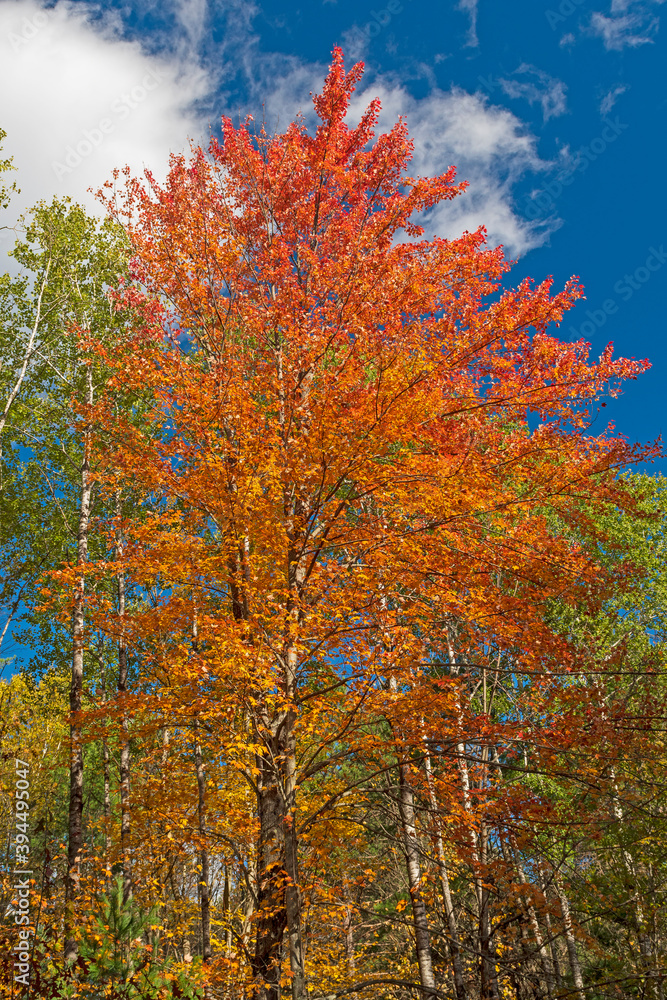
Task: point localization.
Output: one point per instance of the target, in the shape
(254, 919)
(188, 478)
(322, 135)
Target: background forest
(346, 632)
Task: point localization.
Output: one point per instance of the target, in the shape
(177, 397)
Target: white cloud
(87, 101)
(630, 23)
(470, 8)
(620, 6)
(280, 87)
(355, 42)
(192, 16)
(490, 148)
(536, 86)
(84, 101)
(619, 32)
(609, 99)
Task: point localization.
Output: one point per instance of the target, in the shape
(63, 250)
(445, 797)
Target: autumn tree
(359, 439)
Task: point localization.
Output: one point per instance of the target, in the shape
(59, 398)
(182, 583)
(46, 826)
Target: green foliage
(118, 942)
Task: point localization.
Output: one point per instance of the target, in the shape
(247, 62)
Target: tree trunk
(489, 979)
(643, 936)
(204, 882)
(227, 915)
(271, 875)
(275, 790)
(279, 900)
(292, 889)
(550, 934)
(278, 890)
(349, 933)
(406, 810)
(28, 356)
(419, 914)
(125, 821)
(75, 816)
(454, 944)
(107, 777)
(534, 923)
(569, 938)
(249, 897)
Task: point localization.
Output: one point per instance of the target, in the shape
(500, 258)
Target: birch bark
(419, 914)
(454, 943)
(569, 938)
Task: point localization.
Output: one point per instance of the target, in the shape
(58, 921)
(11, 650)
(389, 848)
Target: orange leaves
(346, 405)
(344, 509)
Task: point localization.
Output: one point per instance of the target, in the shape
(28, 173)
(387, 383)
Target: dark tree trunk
(107, 775)
(204, 882)
(271, 877)
(278, 894)
(125, 820)
(75, 815)
(489, 979)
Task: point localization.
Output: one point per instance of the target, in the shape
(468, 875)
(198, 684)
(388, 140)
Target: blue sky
(553, 111)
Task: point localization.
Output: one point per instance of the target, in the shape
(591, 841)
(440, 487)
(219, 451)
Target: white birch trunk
(570, 938)
(454, 944)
